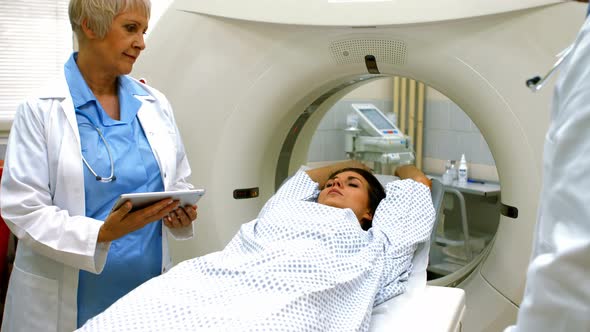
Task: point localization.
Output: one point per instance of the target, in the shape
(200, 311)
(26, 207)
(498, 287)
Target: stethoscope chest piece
(99, 178)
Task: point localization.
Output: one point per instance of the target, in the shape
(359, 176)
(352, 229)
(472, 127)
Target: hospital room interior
(442, 87)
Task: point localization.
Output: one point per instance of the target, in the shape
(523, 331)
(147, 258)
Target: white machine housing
(251, 80)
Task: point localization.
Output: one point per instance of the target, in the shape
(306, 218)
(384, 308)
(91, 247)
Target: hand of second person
(182, 216)
(121, 221)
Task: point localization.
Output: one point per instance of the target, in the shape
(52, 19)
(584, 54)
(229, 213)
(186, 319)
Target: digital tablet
(141, 200)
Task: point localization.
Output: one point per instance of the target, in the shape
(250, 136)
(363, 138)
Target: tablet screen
(141, 200)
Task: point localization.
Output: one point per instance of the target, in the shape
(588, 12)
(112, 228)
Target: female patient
(304, 264)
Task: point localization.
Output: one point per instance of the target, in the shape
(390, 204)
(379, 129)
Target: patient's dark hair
(376, 191)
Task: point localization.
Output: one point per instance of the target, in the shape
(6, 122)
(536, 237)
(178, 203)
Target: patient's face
(347, 190)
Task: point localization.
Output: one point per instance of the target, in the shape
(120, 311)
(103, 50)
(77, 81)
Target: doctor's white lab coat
(557, 295)
(42, 202)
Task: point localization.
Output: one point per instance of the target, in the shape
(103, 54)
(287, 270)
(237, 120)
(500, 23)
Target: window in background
(35, 41)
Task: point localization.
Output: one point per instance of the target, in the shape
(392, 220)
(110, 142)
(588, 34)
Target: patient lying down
(304, 264)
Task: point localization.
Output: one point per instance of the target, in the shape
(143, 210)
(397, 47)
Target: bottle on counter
(447, 177)
(462, 172)
(454, 170)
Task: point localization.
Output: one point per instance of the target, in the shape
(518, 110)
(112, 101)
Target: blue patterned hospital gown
(300, 266)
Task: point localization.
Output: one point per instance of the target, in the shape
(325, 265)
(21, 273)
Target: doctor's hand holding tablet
(133, 211)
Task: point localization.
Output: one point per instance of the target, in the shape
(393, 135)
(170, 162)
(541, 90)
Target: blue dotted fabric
(300, 266)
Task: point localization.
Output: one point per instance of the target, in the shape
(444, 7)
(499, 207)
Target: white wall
(158, 9)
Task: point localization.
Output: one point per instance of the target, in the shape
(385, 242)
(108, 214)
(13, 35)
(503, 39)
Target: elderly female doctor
(83, 140)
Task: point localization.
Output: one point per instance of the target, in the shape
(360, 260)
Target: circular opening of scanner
(451, 260)
(236, 97)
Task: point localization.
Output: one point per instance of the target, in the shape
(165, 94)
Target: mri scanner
(251, 80)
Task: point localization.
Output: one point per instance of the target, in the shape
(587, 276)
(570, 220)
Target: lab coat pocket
(31, 303)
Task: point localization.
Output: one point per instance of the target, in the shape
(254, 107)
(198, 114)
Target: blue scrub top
(136, 257)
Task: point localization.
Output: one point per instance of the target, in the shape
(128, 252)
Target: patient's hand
(411, 172)
(321, 174)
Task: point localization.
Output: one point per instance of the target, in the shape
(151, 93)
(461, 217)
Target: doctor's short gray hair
(101, 13)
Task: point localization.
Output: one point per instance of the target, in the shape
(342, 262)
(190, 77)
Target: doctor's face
(348, 190)
(123, 43)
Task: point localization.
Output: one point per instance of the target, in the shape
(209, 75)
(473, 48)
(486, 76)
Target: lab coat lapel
(61, 92)
(63, 139)
(151, 124)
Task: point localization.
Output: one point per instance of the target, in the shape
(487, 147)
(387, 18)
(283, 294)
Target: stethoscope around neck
(99, 178)
(537, 82)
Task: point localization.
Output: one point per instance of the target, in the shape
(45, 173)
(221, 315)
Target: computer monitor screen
(377, 118)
